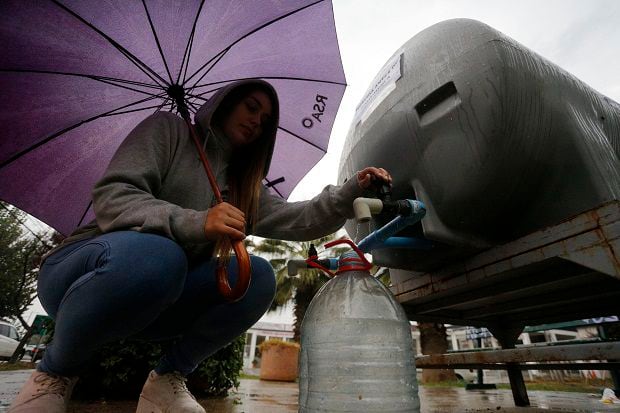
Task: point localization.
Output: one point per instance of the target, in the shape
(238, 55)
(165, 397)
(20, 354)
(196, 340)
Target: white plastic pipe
(364, 208)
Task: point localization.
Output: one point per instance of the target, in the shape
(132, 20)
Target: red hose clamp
(360, 264)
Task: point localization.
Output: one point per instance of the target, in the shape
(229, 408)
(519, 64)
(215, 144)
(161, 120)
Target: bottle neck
(350, 261)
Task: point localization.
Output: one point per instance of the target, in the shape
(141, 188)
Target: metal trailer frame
(565, 272)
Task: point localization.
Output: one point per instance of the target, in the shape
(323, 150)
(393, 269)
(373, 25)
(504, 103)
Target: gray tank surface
(496, 141)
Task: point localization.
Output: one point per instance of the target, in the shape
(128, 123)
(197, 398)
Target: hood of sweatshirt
(204, 116)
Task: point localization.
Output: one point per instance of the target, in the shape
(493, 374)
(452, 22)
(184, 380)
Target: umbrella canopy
(77, 75)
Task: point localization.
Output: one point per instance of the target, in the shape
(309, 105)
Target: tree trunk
(20, 347)
(433, 340)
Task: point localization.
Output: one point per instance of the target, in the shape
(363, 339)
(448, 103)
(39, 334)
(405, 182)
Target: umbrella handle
(237, 292)
(243, 259)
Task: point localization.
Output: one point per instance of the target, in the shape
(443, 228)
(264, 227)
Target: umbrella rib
(304, 79)
(192, 105)
(85, 212)
(133, 59)
(190, 44)
(168, 101)
(275, 181)
(303, 139)
(197, 97)
(106, 80)
(206, 92)
(67, 129)
(254, 31)
(130, 111)
(275, 189)
(219, 56)
(161, 52)
(128, 88)
(93, 77)
(184, 63)
(160, 107)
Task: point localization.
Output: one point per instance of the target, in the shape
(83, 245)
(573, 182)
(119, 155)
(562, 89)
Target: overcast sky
(581, 36)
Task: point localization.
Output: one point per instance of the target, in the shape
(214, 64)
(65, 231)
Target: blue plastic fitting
(378, 238)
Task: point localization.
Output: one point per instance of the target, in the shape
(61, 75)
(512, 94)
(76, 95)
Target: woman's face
(246, 121)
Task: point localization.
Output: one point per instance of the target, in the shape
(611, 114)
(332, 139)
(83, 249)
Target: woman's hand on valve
(367, 176)
(226, 220)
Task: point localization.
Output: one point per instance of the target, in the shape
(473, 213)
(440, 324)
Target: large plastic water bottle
(357, 353)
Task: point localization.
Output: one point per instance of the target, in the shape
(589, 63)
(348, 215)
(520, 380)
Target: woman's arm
(317, 217)
(126, 196)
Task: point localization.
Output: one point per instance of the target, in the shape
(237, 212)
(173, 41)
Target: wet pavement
(10, 383)
(257, 396)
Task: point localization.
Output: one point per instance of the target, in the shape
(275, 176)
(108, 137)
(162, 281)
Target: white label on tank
(381, 86)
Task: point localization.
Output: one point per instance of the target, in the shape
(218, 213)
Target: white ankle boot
(43, 393)
(167, 394)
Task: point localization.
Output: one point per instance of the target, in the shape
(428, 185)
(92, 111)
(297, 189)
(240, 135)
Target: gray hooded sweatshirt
(155, 183)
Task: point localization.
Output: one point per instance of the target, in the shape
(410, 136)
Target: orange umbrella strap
(243, 259)
(205, 161)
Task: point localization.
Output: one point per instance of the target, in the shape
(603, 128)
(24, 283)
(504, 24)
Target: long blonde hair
(248, 165)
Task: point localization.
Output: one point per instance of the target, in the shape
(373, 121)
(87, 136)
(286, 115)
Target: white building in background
(274, 324)
(33, 310)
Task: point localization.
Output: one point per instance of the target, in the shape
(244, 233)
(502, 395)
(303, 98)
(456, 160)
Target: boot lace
(48, 384)
(177, 381)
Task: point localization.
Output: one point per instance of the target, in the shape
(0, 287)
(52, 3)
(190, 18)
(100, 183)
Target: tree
(433, 341)
(302, 288)
(21, 250)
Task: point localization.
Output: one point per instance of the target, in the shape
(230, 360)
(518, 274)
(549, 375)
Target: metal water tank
(357, 352)
(496, 141)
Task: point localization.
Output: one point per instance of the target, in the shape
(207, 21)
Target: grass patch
(448, 383)
(593, 386)
(249, 376)
(20, 365)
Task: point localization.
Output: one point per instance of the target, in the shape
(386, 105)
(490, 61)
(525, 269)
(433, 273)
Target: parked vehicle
(466, 375)
(463, 375)
(34, 351)
(9, 340)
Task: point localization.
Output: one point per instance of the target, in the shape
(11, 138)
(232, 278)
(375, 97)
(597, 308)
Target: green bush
(118, 371)
(276, 342)
(220, 372)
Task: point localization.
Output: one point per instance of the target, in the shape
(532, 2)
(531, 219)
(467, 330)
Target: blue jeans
(128, 284)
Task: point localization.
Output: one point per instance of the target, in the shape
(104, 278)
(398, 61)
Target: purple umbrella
(77, 75)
